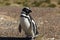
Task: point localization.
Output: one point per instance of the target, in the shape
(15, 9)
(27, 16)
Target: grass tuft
(52, 5)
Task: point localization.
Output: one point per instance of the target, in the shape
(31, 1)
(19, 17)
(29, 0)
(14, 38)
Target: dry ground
(47, 19)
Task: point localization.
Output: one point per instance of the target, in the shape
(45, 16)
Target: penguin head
(26, 10)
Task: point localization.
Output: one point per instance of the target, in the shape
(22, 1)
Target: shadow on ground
(14, 38)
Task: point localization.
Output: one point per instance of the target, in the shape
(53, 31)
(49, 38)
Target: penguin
(27, 23)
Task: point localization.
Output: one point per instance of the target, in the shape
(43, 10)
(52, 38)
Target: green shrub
(48, 1)
(36, 4)
(59, 2)
(5, 0)
(52, 5)
(7, 4)
(18, 2)
(1, 2)
(25, 4)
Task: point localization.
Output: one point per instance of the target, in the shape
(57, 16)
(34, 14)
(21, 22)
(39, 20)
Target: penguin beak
(30, 11)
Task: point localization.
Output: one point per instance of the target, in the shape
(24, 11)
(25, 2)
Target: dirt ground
(47, 20)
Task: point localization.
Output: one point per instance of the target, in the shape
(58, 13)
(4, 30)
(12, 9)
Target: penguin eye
(27, 10)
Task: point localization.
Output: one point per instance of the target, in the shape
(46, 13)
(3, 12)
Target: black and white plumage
(27, 23)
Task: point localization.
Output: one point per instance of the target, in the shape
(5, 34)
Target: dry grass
(30, 3)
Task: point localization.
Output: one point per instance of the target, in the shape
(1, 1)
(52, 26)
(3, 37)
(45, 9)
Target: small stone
(46, 21)
(15, 21)
(40, 18)
(1, 18)
(50, 38)
(41, 22)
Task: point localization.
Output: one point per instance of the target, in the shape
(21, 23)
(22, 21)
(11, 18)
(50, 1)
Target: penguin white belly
(25, 23)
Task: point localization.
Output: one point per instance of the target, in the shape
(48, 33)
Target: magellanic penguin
(27, 23)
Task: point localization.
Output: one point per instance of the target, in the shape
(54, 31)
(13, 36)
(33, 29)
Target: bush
(48, 1)
(5, 0)
(25, 4)
(7, 4)
(59, 2)
(36, 4)
(52, 5)
(1, 2)
(18, 2)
